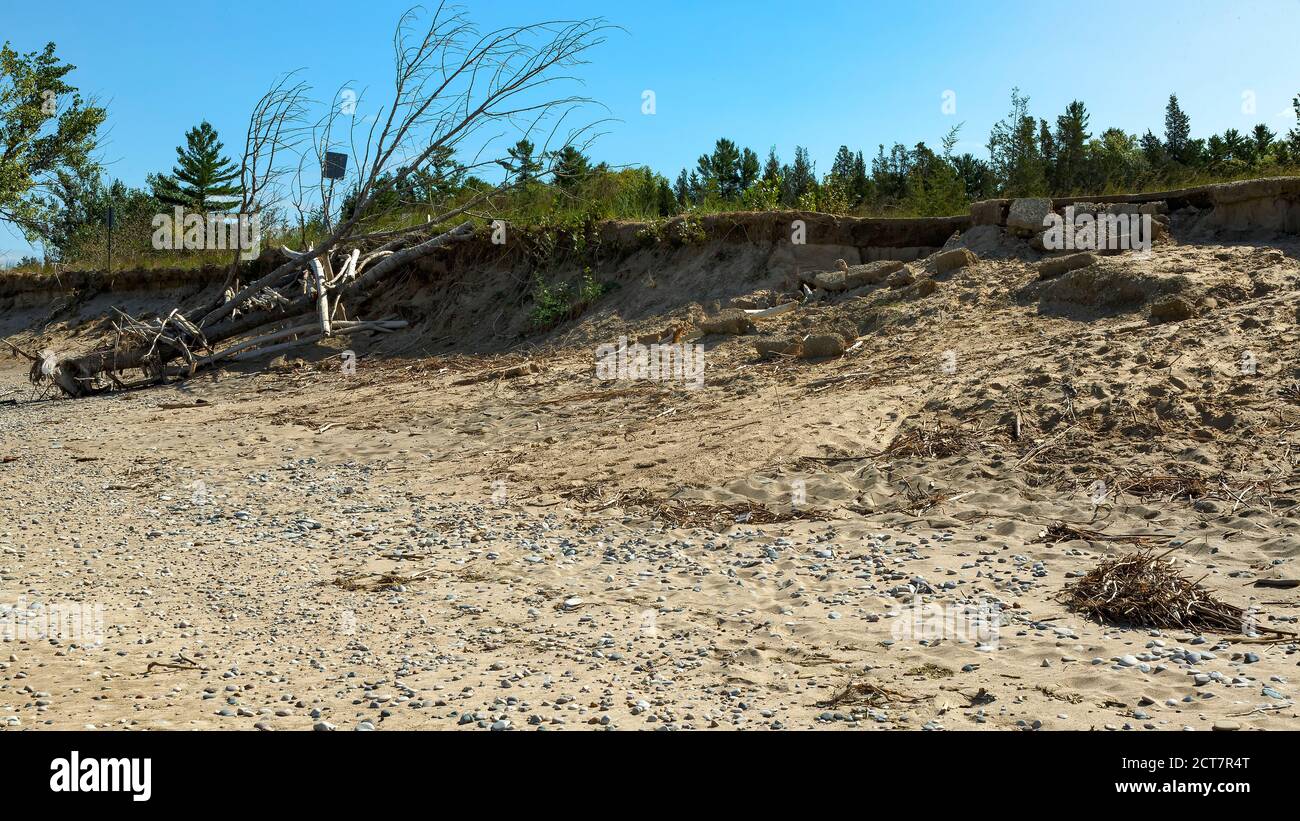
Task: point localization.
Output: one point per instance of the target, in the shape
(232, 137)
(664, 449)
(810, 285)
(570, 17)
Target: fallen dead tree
(451, 83)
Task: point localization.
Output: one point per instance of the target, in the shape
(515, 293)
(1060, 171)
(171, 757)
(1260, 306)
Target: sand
(300, 549)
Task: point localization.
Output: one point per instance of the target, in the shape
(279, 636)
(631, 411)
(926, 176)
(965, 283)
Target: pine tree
(1070, 173)
(1178, 129)
(725, 167)
(525, 165)
(666, 201)
(842, 167)
(683, 189)
(1262, 137)
(860, 184)
(749, 169)
(571, 169)
(1014, 151)
(797, 179)
(202, 180)
(772, 168)
(1235, 144)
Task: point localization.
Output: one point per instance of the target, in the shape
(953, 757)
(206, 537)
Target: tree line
(55, 192)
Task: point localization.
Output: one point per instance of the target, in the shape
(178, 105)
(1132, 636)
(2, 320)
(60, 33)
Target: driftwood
(151, 346)
(452, 80)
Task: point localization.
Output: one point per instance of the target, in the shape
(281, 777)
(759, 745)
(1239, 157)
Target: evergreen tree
(1216, 153)
(842, 167)
(749, 169)
(1047, 149)
(1235, 145)
(667, 202)
(976, 179)
(571, 169)
(934, 187)
(1070, 173)
(683, 189)
(525, 164)
(203, 180)
(722, 168)
(1178, 129)
(1262, 138)
(860, 184)
(772, 168)
(1014, 151)
(889, 173)
(797, 179)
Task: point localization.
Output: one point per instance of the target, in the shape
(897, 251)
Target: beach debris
(1147, 590)
(865, 693)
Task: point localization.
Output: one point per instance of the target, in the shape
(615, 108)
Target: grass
(543, 212)
(557, 303)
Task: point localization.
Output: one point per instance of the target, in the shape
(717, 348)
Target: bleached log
(251, 349)
(768, 313)
(322, 296)
(358, 327)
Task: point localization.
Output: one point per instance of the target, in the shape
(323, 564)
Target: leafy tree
(47, 131)
(202, 180)
(1116, 160)
(79, 232)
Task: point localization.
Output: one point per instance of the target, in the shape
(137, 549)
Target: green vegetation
(556, 303)
(564, 193)
(201, 180)
(47, 138)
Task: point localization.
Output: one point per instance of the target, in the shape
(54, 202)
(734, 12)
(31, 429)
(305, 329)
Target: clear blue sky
(761, 72)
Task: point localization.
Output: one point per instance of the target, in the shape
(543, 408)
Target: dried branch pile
(1146, 590)
(935, 442)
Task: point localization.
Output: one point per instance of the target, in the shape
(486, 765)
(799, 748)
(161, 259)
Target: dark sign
(336, 165)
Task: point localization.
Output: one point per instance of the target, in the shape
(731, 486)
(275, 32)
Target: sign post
(110, 239)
